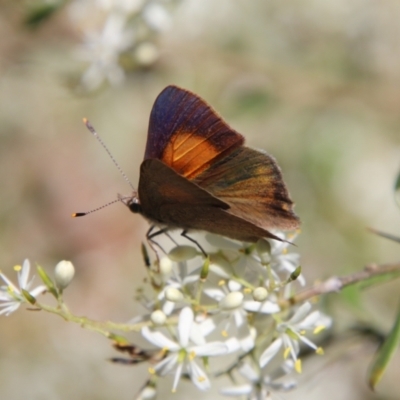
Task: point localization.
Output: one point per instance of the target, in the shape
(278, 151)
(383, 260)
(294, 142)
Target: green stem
(103, 328)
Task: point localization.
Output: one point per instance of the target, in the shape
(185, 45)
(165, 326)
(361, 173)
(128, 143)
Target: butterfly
(198, 175)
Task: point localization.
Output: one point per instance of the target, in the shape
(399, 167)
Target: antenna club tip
(85, 120)
(79, 214)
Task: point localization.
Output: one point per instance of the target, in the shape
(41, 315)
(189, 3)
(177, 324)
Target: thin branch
(337, 283)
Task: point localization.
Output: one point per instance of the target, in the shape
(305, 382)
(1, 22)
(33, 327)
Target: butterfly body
(198, 175)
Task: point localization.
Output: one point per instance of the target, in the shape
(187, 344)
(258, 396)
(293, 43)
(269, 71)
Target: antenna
(96, 135)
(120, 198)
(82, 214)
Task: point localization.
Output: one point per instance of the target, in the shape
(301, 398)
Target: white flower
(282, 259)
(179, 280)
(292, 332)
(181, 353)
(269, 260)
(260, 383)
(231, 318)
(242, 254)
(11, 297)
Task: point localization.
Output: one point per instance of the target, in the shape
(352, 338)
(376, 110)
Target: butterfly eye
(135, 207)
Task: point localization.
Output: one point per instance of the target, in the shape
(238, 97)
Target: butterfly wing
(170, 199)
(160, 185)
(186, 134)
(251, 183)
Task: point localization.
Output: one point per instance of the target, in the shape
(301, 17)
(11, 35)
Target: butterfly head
(132, 202)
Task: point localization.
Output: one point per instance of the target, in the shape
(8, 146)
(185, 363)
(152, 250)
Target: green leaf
(42, 12)
(351, 294)
(385, 354)
(378, 280)
(47, 281)
(397, 190)
(386, 235)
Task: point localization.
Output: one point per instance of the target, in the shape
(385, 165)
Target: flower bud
(147, 393)
(146, 53)
(183, 253)
(63, 274)
(205, 270)
(174, 295)
(158, 317)
(231, 301)
(263, 249)
(165, 266)
(260, 294)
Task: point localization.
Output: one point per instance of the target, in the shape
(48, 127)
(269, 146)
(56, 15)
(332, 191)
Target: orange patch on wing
(189, 154)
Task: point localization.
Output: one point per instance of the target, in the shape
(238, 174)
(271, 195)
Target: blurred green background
(316, 84)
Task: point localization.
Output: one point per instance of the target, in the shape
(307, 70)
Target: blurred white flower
(260, 383)
(11, 296)
(156, 16)
(102, 51)
(182, 353)
(115, 28)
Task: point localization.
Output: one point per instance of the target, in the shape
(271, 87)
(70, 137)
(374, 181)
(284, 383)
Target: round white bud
(174, 295)
(183, 253)
(158, 317)
(165, 266)
(146, 53)
(63, 274)
(231, 301)
(260, 293)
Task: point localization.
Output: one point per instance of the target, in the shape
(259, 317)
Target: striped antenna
(100, 140)
(120, 198)
(82, 214)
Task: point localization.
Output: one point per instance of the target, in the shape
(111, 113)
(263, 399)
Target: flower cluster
(118, 35)
(227, 314)
(231, 306)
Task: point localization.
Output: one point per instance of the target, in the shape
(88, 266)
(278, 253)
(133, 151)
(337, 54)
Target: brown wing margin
(187, 134)
(251, 182)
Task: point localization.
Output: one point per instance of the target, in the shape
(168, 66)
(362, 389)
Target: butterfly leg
(184, 234)
(152, 243)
